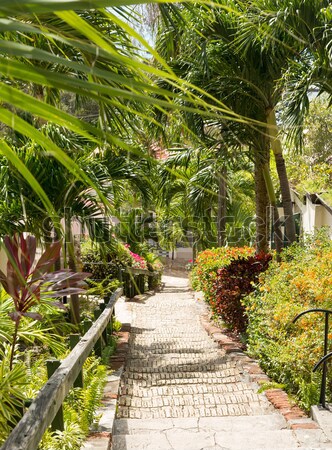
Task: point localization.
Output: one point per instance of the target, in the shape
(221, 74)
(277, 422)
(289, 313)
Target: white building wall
(313, 215)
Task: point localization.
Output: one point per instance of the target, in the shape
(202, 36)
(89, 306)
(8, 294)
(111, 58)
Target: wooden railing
(29, 431)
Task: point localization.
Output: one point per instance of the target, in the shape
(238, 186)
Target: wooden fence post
(73, 340)
(105, 332)
(99, 344)
(58, 422)
(87, 324)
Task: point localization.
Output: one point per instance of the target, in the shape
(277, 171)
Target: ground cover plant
(288, 352)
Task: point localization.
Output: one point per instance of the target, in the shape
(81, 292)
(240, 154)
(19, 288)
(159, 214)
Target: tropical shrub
(138, 262)
(25, 380)
(207, 264)
(79, 409)
(30, 284)
(104, 263)
(103, 288)
(154, 265)
(11, 383)
(233, 282)
(289, 351)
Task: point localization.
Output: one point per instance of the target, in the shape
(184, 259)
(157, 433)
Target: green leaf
(24, 171)
(23, 127)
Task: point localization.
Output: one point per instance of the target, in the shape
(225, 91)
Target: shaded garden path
(180, 390)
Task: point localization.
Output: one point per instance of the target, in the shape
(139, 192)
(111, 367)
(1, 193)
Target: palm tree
(38, 44)
(306, 28)
(189, 191)
(244, 75)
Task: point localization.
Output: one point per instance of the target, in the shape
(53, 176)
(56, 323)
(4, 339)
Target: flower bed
(207, 264)
(289, 351)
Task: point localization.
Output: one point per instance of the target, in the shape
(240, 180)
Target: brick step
(180, 367)
(193, 389)
(162, 379)
(184, 411)
(144, 351)
(187, 399)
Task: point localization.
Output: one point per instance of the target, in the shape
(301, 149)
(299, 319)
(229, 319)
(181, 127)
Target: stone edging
(295, 416)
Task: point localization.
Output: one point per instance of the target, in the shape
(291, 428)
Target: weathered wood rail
(29, 431)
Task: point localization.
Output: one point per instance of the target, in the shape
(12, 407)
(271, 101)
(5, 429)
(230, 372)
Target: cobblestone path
(176, 377)
(174, 369)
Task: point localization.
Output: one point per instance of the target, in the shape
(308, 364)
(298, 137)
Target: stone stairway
(180, 390)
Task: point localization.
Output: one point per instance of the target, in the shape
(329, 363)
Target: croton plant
(30, 282)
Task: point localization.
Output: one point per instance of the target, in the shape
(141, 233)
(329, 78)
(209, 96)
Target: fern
(11, 395)
(71, 438)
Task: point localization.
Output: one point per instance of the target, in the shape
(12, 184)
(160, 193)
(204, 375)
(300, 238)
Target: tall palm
(189, 189)
(306, 28)
(244, 75)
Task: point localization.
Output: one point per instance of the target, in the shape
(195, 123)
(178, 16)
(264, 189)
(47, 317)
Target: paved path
(179, 390)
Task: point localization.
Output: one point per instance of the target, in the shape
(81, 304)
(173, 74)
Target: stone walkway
(180, 390)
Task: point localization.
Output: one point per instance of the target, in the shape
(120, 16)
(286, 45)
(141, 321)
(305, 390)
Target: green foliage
(104, 287)
(79, 409)
(86, 400)
(11, 393)
(208, 263)
(311, 171)
(289, 351)
(71, 438)
(116, 324)
(270, 385)
(104, 262)
(109, 350)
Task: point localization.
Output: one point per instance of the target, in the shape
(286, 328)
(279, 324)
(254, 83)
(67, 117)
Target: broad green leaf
(90, 89)
(23, 127)
(19, 99)
(24, 171)
(15, 7)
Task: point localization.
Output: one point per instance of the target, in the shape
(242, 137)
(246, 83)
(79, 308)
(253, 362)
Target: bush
(103, 264)
(233, 282)
(207, 264)
(288, 352)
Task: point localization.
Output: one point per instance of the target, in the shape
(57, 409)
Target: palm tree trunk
(222, 207)
(272, 129)
(57, 234)
(71, 263)
(262, 203)
(278, 238)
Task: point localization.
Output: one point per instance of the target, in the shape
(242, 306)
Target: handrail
(29, 431)
(322, 361)
(134, 283)
(326, 356)
(135, 271)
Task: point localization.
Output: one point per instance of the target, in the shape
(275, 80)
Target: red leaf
(32, 315)
(15, 316)
(28, 249)
(47, 259)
